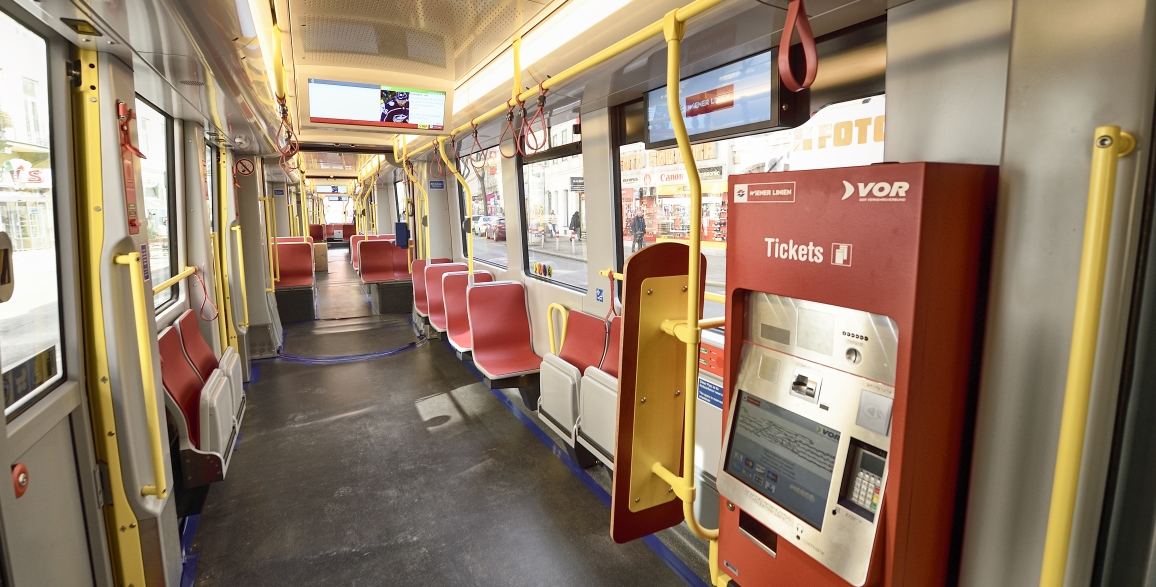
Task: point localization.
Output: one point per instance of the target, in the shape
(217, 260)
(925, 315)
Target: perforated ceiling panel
(436, 38)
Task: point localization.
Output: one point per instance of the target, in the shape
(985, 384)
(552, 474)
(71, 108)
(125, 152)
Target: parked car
(483, 225)
(497, 230)
(474, 222)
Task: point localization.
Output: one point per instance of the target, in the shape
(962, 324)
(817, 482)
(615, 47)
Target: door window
(154, 135)
(30, 339)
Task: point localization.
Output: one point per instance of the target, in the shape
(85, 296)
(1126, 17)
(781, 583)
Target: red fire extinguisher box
(854, 322)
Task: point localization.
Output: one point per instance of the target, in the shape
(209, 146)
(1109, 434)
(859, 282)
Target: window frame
(566, 150)
(464, 211)
(171, 189)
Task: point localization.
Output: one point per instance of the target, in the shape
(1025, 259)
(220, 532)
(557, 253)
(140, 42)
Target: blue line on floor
(665, 554)
(254, 375)
(189, 559)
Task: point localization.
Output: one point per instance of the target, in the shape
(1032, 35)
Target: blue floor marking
(237, 445)
(665, 554)
(254, 375)
(189, 559)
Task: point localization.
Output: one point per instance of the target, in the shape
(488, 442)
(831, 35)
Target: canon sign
(895, 191)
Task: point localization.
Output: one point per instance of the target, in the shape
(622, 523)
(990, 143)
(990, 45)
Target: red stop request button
(710, 359)
(779, 191)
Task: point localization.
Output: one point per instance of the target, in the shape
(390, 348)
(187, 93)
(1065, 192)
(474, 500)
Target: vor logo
(879, 191)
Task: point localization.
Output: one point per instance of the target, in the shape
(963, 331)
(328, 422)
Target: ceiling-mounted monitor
(335, 102)
(331, 189)
(742, 97)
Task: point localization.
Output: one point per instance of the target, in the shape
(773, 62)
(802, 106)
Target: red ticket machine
(854, 317)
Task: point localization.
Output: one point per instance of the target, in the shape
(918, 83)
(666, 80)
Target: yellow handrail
(565, 312)
(465, 186)
(241, 269)
(225, 302)
(1109, 145)
(713, 297)
(424, 211)
(187, 271)
(608, 273)
(269, 244)
(148, 379)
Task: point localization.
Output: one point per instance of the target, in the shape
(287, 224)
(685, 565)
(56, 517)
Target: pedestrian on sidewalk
(576, 225)
(638, 229)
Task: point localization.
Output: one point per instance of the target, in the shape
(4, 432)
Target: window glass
(30, 341)
(338, 210)
(400, 197)
(554, 194)
(210, 185)
(487, 208)
(655, 193)
(152, 129)
(563, 124)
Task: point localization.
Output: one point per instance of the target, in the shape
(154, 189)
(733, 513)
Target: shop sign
(578, 184)
(19, 174)
(714, 172)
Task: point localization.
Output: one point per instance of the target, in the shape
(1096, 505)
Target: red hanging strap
(540, 114)
(797, 20)
(476, 150)
(509, 128)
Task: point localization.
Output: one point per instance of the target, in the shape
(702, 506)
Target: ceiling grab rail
(797, 20)
(1109, 145)
(241, 270)
(148, 378)
(467, 223)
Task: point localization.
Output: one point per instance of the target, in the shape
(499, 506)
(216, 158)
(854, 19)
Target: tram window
(655, 194)
(399, 195)
(487, 210)
(554, 216)
(154, 136)
(30, 336)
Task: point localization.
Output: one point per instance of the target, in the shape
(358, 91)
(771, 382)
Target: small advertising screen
(333, 102)
(731, 96)
(785, 457)
(331, 189)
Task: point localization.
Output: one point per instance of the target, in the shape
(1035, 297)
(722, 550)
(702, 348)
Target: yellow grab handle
(174, 279)
(148, 378)
(241, 267)
(609, 272)
(1110, 144)
(550, 324)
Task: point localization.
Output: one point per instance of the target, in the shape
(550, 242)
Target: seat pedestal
(391, 298)
(296, 304)
(527, 385)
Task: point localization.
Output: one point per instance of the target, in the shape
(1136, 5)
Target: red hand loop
(509, 127)
(797, 19)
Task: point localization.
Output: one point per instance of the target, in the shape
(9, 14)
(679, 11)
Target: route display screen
(334, 102)
(785, 457)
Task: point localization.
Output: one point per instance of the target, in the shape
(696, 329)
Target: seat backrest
(329, 230)
(388, 237)
(400, 259)
(454, 286)
(433, 290)
(296, 263)
(316, 232)
(347, 231)
(354, 253)
(498, 316)
(585, 340)
(196, 348)
(378, 261)
(294, 239)
(181, 382)
(613, 348)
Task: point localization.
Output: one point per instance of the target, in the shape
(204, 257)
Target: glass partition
(154, 137)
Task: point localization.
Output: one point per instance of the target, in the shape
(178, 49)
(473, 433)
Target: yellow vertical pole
(1109, 145)
(124, 545)
(266, 208)
(469, 199)
(223, 221)
(424, 211)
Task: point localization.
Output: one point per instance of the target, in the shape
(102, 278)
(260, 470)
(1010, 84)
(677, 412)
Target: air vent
(191, 82)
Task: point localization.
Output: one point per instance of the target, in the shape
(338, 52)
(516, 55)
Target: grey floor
(402, 470)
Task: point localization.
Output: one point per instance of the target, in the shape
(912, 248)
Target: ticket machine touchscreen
(808, 431)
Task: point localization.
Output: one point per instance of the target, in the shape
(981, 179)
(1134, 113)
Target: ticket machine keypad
(865, 493)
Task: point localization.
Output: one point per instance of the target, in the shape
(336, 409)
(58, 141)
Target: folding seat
(583, 346)
(434, 293)
(454, 286)
(205, 361)
(598, 400)
(203, 413)
(502, 340)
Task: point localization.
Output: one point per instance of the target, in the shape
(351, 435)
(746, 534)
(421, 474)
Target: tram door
(50, 505)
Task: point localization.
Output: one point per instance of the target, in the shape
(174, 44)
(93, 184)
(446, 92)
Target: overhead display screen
(336, 102)
(331, 189)
(726, 98)
(785, 457)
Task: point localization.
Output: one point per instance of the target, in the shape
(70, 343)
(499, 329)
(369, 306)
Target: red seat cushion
(181, 382)
(613, 348)
(196, 348)
(329, 228)
(419, 297)
(454, 298)
(295, 261)
(433, 291)
(500, 330)
(585, 341)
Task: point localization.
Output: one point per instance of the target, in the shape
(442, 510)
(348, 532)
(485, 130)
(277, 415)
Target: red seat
(500, 330)
(434, 294)
(196, 348)
(329, 228)
(378, 262)
(454, 297)
(585, 342)
(354, 253)
(294, 239)
(316, 232)
(401, 259)
(419, 297)
(609, 364)
(347, 231)
(181, 382)
(295, 261)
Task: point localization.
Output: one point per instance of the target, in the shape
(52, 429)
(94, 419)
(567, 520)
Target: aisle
(339, 293)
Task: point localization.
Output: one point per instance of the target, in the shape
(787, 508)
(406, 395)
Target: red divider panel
(585, 340)
(296, 263)
(609, 363)
(433, 291)
(454, 298)
(196, 348)
(500, 329)
(181, 382)
(347, 231)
